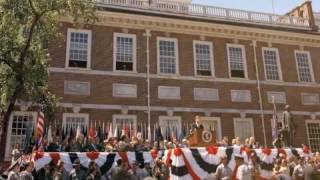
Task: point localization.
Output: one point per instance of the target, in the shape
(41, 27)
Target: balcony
(163, 7)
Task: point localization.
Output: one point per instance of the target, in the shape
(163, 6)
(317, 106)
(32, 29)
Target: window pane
(303, 67)
(203, 59)
(271, 65)
(170, 126)
(167, 53)
(236, 62)
(243, 129)
(78, 52)
(314, 135)
(124, 53)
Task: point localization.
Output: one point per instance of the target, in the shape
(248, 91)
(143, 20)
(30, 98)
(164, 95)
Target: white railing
(211, 12)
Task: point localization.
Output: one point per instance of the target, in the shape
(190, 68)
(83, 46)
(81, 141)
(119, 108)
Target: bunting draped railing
(194, 163)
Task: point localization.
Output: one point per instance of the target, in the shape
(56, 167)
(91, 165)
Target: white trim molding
(134, 51)
(180, 109)
(179, 77)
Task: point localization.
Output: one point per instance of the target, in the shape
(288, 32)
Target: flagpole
(273, 7)
(148, 35)
(254, 45)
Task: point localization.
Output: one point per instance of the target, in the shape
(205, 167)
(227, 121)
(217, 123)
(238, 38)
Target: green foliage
(26, 27)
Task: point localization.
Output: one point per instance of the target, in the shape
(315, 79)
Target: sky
(280, 6)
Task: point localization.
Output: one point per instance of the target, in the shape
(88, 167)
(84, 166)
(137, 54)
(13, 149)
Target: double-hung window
(272, 66)
(78, 48)
(170, 126)
(203, 58)
(237, 61)
(124, 52)
(304, 66)
(167, 56)
(75, 120)
(243, 128)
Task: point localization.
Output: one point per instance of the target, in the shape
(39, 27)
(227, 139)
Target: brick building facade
(165, 64)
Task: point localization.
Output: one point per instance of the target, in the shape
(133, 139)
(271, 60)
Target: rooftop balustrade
(207, 12)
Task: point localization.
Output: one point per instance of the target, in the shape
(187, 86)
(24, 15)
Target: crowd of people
(284, 168)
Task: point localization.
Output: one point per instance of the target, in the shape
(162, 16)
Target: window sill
(127, 72)
(77, 69)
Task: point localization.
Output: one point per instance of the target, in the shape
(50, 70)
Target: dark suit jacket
(194, 126)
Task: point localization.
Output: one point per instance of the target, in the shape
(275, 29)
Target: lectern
(202, 138)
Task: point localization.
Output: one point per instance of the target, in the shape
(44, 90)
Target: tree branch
(33, 8)
(28, 43)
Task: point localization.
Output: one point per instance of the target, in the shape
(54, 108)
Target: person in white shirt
(14, 170)
(223, 171)
(16, 153)
(298, 171)
(243, 171)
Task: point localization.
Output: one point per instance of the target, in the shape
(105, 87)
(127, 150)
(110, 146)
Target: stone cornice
(131, 21)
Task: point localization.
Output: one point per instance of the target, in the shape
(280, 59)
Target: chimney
(304, 10)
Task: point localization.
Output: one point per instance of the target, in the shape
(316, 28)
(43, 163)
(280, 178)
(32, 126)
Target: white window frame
(244, 60)
(124, 116)
(8, 140)
(309, 63)
(195, 42)
(134, 51)
(278, 63)
(171, 118)
(243, 119)
(82, 115)
(89, 32)
(218, 119)
(175, 40)
(306, 126)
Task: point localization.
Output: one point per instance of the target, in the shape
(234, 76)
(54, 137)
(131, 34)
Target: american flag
(40, 125)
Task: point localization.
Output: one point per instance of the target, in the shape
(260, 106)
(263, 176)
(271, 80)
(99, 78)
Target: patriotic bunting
(184, 163)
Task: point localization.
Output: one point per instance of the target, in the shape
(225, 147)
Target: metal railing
(208, 12)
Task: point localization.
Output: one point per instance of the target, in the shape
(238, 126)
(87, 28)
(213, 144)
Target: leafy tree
(26, 27)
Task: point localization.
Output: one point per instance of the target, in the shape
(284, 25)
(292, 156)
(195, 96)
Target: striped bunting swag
(184, 163)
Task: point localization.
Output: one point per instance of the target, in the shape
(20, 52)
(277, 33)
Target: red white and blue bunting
(185, 163)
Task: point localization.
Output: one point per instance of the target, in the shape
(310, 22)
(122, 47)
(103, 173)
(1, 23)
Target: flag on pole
(115, 134)
(78, 133)
(40, 125)
(274, 121)
(110, 135)
(49, 135)
(149, 132)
